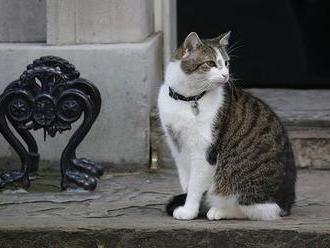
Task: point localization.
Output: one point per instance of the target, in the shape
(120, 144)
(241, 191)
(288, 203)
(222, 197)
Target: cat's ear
(192, 41)
(224, 39)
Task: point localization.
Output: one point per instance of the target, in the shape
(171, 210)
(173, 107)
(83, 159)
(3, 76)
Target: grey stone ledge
(127, 210)
(298, 108)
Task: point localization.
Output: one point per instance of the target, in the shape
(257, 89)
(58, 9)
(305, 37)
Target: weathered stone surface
(61, 22)
(102, 21)
(22, 21)
(153, 238)
(125, 75)
(313, 153)
(127, 210)
(298, 107)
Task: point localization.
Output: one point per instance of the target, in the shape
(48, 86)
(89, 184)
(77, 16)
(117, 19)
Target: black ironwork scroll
(50, 95)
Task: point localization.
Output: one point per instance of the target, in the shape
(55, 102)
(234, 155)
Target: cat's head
(199, 65)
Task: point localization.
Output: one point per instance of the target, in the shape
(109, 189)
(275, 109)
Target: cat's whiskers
(232, 77)
(234, 47)
(237, 81)
(231, 46)
(233, 56)
(232, 81)
(231, 87)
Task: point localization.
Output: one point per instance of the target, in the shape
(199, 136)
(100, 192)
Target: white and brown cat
(225, 142)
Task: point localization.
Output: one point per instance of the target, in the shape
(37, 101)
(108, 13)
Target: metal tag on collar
(194, 107)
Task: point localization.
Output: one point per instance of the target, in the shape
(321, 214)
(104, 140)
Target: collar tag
(192, 99)
(194, 107)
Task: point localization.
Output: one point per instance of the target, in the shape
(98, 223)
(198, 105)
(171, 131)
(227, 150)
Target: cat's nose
(225, 76)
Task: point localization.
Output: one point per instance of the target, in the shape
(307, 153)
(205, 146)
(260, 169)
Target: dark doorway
(279, 43)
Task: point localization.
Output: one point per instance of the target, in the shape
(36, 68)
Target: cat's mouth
(222, 80)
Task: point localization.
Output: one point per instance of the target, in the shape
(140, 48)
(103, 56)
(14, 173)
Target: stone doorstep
(127, 210)
(306, 115)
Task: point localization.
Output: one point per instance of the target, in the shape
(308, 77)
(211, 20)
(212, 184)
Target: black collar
(177, 96)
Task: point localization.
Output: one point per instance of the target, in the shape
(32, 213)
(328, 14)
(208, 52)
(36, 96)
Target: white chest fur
(195, 131)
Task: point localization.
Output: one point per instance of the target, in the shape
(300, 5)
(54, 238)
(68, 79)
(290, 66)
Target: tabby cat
(228, 145)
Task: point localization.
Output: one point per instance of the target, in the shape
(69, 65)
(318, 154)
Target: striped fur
(252, 152)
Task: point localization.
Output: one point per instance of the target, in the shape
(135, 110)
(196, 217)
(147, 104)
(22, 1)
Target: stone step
(127, 210)
(306, 115)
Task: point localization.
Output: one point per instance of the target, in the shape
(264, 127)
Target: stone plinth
(101, 21)
(22, 21)
(125, 75)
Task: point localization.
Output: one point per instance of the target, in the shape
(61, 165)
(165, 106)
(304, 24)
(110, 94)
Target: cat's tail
(180, 200)
(176, 201)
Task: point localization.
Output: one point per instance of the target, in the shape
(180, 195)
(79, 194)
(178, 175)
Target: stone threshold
(298, 107)
(127, 210)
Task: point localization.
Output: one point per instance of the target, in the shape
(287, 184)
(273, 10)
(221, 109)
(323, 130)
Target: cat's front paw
(184, 213)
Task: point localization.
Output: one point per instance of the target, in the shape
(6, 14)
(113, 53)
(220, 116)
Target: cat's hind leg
(261, 211)
(256, 207)
(229, 208)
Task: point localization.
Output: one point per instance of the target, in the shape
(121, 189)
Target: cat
(228, 145)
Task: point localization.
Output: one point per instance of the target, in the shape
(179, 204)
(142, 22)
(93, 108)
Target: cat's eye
(227, 63)
(211, 63)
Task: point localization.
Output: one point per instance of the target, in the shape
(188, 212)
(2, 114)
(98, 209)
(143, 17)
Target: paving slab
(127, 210)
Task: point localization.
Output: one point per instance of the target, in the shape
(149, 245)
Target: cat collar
(177, 96)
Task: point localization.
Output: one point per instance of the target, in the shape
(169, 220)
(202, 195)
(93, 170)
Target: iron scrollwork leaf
(50, 95)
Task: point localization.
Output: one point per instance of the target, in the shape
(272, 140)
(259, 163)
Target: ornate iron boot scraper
(50, 95)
